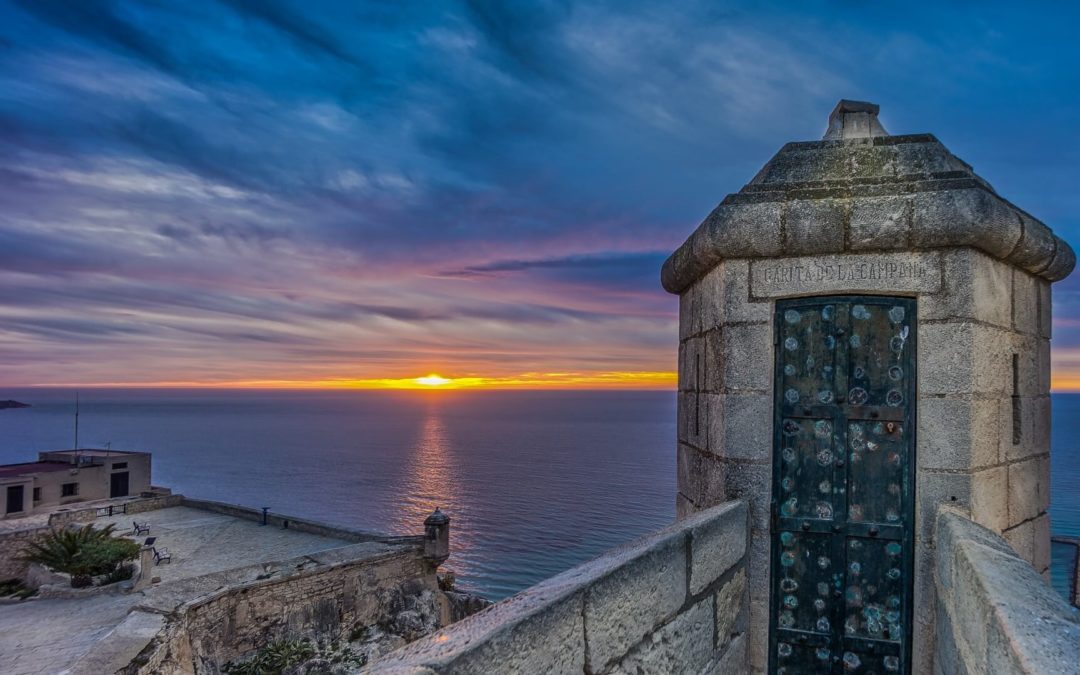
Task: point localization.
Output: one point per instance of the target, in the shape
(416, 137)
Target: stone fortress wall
(328, 595)
(671, 602)
(995, 614)
(641, 609)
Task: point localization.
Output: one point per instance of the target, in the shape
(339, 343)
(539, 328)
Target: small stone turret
(864, 328)
(437, 537)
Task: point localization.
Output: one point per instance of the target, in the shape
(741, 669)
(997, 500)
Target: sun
(433, 380)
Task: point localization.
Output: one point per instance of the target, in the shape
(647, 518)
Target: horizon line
(657, 384)
(635, 380)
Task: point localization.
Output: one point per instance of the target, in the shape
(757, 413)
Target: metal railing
(111, 510)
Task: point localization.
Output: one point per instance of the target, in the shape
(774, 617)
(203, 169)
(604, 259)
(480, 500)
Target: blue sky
(271, 191)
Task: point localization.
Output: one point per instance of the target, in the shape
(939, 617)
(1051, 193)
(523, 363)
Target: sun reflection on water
(433, 481)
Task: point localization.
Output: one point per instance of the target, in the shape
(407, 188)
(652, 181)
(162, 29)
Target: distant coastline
(12, 404)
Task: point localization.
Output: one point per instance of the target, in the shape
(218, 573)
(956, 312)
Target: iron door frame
(838, 538)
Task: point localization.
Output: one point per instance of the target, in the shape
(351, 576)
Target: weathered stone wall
(671, 602)
(12, 543)
(325, 595)
(983, 431)
(132, 506)
(995, 614)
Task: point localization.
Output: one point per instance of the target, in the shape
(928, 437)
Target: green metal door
(843, 482)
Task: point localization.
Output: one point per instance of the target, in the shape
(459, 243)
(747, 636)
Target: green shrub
(104, 556)
(82, 553)
(273, 658)
(121, 573)
(15, 588)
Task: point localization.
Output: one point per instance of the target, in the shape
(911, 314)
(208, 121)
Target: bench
(162, 554)
(140, 528)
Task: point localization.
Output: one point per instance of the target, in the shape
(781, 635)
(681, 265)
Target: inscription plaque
(913, 272)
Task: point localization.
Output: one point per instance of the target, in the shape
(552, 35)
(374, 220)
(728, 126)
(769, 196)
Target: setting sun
(433, 380)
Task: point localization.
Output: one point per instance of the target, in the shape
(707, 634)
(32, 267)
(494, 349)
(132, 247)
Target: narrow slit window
(1017, 427)
(697, 394)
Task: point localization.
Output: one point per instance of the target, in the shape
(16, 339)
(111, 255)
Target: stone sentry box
(863, 213)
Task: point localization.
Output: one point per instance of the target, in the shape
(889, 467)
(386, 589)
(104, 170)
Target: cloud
(229, 186)
(304, 31)
(97, 21)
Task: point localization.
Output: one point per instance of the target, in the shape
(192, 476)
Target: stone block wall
(325, 595)
(12, 543)
(995, 613)
(671, 602)
(984, 408)
(132, 506)
(983, 405)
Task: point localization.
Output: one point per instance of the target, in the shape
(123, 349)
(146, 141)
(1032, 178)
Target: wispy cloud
(237, 190)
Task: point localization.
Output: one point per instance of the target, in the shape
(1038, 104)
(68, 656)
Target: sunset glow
(432, 380)
(334, 204)
(608, 380)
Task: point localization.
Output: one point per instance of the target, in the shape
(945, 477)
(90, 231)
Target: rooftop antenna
(76, 420)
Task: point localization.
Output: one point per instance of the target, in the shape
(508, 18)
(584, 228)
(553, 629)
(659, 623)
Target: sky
(275, 193)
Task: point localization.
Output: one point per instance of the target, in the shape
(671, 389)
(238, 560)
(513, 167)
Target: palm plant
(81, 552)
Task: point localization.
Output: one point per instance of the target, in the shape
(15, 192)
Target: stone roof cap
(437, 517)
(859, 191)
(854, 119)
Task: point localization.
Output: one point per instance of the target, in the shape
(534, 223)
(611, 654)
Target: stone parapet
(298, 524)
(995, 613)
(671, 602)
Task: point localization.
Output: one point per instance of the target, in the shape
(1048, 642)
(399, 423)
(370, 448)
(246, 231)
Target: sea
(535, 482)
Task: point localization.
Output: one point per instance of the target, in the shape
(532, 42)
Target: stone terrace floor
(202, 542)
(48, 636)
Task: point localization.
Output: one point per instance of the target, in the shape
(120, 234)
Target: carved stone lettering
(912, 272)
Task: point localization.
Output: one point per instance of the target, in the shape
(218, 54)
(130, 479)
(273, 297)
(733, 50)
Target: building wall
(975, 313)
(671, 602)
(94, 479)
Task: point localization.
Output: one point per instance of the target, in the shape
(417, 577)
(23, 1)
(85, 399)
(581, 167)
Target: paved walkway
(24, 523)
(48, 636)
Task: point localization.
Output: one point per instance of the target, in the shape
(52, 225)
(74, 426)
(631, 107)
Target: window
(69, 489)
(37, 494)
(119, 465)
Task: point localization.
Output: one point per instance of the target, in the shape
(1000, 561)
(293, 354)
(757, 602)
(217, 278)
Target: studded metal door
(843, 477)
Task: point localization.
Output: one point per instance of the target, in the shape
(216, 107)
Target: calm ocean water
(535, 482)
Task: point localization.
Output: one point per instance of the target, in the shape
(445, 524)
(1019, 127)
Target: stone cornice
(885, 193)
